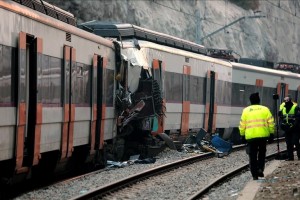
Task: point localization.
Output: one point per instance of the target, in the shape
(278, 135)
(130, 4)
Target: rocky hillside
(273, 35)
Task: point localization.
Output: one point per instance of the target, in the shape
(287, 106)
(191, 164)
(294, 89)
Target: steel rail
(229, 175)
(117, 185)
(125, 182)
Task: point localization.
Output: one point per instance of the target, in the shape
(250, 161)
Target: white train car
(198, 91)
(196, 88)
(56, 90)
(247, 79)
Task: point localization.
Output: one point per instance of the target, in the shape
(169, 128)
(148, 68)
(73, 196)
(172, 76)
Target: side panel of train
(196, 88)
(56, 99)
(203, 92)
(247, 79)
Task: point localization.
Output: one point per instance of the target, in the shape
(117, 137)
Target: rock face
(273, 35)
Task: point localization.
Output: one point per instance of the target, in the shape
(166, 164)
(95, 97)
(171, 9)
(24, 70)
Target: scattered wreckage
(204, 142)
(200, 142)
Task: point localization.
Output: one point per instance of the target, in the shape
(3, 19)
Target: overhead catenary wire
(294, 15)
(205, 19)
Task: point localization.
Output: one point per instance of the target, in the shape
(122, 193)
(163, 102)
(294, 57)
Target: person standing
(257, 128)
(289, 117)
(286, 99)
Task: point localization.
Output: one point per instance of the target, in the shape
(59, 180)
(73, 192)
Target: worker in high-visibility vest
(257, 127)
(289, 117)
(288, 98)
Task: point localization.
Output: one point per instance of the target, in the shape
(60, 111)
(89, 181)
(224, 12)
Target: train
(78, 95)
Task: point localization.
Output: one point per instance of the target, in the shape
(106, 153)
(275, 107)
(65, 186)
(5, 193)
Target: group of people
(257, 128)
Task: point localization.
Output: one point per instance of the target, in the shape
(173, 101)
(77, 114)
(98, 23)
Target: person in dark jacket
(289, 117)
(257, 127)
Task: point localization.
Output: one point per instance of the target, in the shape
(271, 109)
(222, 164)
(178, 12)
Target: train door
(97, 152)
(29, 116)
(99, 100)
(68, 106)
(210, 109)
(158, 75)
(94, 104)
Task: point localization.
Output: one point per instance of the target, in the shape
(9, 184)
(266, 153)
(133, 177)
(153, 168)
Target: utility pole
(247, 17)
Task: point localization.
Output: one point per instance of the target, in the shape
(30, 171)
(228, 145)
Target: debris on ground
(205, 142)
(132, 160)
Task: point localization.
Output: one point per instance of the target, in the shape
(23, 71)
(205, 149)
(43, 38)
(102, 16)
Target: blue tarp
(220, 144)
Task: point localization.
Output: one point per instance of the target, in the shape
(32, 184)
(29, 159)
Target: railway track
(40, 184)
(228, 176)
(123, 186)
(109, 188)
(108, 183)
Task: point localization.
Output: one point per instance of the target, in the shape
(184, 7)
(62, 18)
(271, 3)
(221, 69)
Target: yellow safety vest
(283, 104)
(289, 118)
(256, 122)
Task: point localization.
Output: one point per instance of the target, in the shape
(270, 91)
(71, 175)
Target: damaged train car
(199, 91)
(196, 88)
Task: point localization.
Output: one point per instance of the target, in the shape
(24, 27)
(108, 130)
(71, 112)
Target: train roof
(126, 31)
(264, 70)
(38, 16)
(131, 43)
(50, 10)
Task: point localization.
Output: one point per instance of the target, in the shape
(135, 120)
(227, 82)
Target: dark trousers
(291, 139)
(257, 154)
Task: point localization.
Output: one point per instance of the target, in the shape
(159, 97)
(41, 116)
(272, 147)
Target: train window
(7, 67)
(55, 80)
(177, 87)
(223, 92)
(87, 83)
(14, 63)
(228, 88)
(39, 80)
(267, 97)
(168, 85)
(197, 88)
(238, 94)
(109, 87)
(249, 89)
(173, 83)
(81, 84)
(241, 94)
(49, 80)
(186, 89)
(79, 71)
(44, 81)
